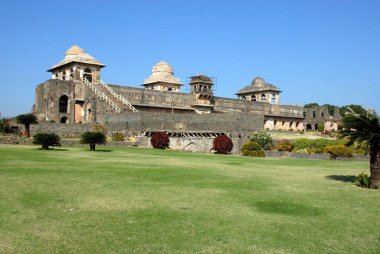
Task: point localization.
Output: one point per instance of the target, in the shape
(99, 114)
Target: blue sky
(314, 51)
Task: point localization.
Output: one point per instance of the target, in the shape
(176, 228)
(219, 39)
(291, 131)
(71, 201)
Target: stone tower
(201, 88)
(260, 91)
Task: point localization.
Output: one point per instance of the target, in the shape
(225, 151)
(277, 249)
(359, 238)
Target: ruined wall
(320, 116)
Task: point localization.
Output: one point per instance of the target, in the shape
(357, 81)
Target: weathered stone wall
(227, 122)
(313, 156)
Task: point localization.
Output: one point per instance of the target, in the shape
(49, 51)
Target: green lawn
(132, 200)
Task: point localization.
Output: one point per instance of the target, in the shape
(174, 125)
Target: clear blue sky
(314, 51)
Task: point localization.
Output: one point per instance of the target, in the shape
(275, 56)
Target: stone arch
(87, 74)
(244, 98)
(253, 98)
(273, 99)
(263, 98)
(63, 104)
(308, 127)
(64, 120)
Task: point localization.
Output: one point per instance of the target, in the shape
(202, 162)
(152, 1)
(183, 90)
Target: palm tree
(27, 120)
(365, 128)
(93, 139)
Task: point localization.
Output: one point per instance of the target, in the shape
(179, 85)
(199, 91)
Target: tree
(93, 138)
(360, 127)
(311, 105)
(46, 140)
(357, 109)
(4, 125)
(27, 120)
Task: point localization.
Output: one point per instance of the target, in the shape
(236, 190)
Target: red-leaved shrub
(160, 140)
(222, 144)
(284, 145)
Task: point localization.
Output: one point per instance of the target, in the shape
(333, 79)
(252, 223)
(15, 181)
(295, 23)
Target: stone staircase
(105, 92)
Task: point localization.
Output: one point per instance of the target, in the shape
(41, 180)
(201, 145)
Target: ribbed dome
(162, 67)
(74, 50)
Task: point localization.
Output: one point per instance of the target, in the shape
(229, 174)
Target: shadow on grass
(53, 149)
(342, 178)
(103, 150)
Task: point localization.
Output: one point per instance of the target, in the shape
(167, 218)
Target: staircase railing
(117, 96)
(101, 95)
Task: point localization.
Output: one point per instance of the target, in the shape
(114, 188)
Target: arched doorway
(308, 127)
(63, 104)
(64, 119)
(87, 74)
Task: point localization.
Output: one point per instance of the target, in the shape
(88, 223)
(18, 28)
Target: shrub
(100, 128)
(222, 144)
(320, 127)
(363, 180)
(46, 140)
(314, 145)
(160, 140)
(250, 148)
(302, 132)
(338, 151)
(262, 138)
(284, 145)
(93, 138)
(117, 136)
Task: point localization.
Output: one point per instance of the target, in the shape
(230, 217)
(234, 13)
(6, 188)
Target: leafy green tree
(360, 127)
(330, 109)
(311, 105)
(93, 138)
(357, 109)
(4, 125)
(46, 140)
(27, 120)
(262, 138)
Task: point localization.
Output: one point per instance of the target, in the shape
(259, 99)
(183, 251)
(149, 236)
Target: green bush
(250, 148)
(262, 138)
(284, 145)
(117, 136)
(93, 138)
(336, 151)
(363, 180)
(320, 127)
(46, 140)
(314, 145)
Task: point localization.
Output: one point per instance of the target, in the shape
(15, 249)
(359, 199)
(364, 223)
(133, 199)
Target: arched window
(64, 119)
(87, 74)
(169, 89)
(253, 98)
(244, 98)
(263, 98)
(313, 114)
(71, 73)
(304, 114)
(322, 114)
(63, 75)
(63, 104)
(273, 99)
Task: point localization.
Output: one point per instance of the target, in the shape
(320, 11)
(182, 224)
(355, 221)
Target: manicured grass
(294, 135)
(131, 200)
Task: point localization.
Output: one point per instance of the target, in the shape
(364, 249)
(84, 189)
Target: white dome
(163, 67)
(74, 50)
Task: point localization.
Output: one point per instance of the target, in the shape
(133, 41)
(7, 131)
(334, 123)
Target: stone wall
(227, 122)
(313, 156)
